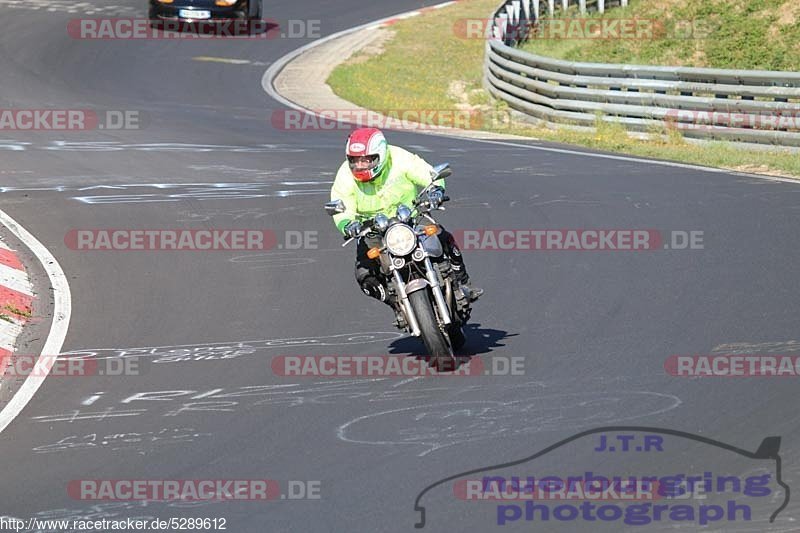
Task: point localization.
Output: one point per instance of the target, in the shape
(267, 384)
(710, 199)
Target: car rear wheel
(258, 12)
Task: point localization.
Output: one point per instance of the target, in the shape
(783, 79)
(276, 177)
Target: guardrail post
(523, 28)
(512, 33)
(551, 7)
(500, 28)
(601, 6)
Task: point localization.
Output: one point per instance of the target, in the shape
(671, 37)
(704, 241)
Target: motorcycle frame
(431, 280)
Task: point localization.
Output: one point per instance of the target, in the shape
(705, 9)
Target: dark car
(202, 10)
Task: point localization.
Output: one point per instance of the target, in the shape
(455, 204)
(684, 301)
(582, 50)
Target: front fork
(433, 279)
(401, 290)
(438, 297)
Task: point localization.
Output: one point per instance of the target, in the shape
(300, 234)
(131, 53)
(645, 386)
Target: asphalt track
(594, 328)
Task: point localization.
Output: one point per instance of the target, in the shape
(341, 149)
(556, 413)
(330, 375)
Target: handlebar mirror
(403, 213)
(381, 221)
(441, 171)
(334, 207)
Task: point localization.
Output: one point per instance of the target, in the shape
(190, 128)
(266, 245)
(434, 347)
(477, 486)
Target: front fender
(416, 284)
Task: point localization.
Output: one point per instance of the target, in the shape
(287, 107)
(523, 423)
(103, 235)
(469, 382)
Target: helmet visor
(362, 162)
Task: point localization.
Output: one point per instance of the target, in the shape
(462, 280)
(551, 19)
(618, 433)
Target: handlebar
(366, 227)
(368, 224)
(419, 201)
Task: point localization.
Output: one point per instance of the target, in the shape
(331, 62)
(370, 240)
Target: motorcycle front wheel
(436, 342)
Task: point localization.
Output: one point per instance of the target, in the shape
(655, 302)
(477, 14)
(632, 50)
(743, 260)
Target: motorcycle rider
(377, 178)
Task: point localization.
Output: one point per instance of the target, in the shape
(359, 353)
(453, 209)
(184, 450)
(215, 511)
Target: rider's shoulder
(344, 166)
(399, 153)
(344, 177)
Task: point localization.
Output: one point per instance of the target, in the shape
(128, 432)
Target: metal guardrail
(738, 105)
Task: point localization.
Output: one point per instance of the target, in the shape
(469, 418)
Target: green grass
(417, 65)
(17, 311)
(426, 55)
(737, 34)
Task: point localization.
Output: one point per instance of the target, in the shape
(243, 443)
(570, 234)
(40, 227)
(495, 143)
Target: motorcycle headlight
(400, 239)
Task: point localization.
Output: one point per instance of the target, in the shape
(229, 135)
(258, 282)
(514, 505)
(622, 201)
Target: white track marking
(409, 380)
(62, 312)
(407, 15)
(229, 61)
(205, 394)
(91, 399)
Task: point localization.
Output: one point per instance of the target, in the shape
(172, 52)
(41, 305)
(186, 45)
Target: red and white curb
(16, 295)
(16, 300)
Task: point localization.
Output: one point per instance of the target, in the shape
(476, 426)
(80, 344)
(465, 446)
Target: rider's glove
(436, 197)
(352, 229)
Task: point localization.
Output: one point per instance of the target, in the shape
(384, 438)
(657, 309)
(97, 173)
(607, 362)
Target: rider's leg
(368, 274)
(453, 252)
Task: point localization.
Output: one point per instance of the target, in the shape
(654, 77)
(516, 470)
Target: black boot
(375, 289)
(460, 271)
(465, 285)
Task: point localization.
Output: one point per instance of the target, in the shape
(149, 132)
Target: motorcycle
(431, 302)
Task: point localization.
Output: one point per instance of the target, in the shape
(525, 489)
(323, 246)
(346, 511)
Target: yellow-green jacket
(405, 175)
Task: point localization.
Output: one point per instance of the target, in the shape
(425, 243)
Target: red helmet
(367, 153)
